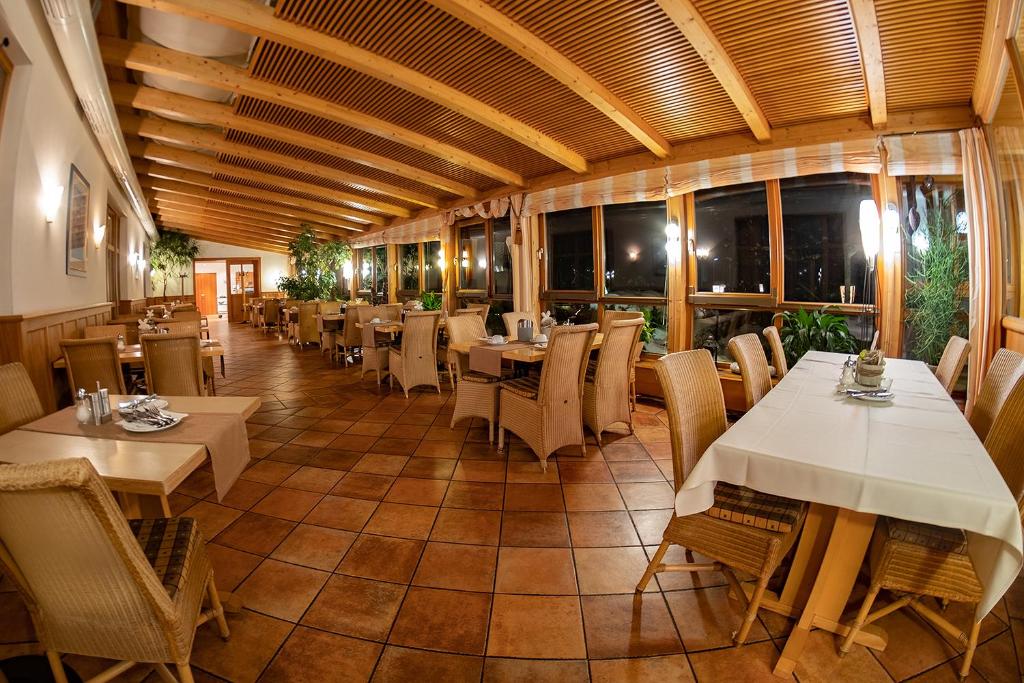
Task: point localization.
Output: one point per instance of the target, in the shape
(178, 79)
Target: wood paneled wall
(34, 340)
(1013, 333)
(131, 306)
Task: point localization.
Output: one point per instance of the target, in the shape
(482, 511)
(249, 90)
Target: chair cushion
(753, 508)
(927, 535)
(167, 544)
(479, 377)
(523, 386)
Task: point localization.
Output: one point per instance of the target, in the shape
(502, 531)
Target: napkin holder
(524, 330)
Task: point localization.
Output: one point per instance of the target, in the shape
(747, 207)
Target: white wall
(42, 133)
(272, 264)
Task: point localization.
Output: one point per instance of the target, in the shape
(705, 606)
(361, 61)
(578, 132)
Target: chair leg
(748, 619)
(185, 673)
(164, 673)
(652, 566)
(501, 438)
(490, 431)
(218, 609)
(972, 643)
(56, 666)
(862, 615)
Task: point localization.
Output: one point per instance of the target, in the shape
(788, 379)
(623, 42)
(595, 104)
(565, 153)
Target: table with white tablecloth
(914, 458)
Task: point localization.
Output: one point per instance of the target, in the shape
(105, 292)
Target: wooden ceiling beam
(209, 182)
(171, 104)
(692, 25)
(230, 226)
(161, 205)
(167, 62)
(328, 224)
(156, 128)
(208, 236)
(1001, 20)
(865, 25)
(256, 18)
(503, 29)
(198, 161)
(272, 221)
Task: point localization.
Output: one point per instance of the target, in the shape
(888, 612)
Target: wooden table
(132, 354)
(527, 354)
(142, 473)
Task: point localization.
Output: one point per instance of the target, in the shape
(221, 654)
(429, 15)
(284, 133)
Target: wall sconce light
(133, 259)
(702, 252)
(98, 234)
(869, 225)
(346, 270)
(49, 201)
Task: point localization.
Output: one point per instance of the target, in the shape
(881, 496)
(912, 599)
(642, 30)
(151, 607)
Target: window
(373, 273)
(656, 318)
(433, 267)
(570, 250)
(501, 256)
(576, 313)
(635, 261)
(821, 236)
(409, 268)
(714, 327)
(473, 258)
(485, 267)
(732, 239)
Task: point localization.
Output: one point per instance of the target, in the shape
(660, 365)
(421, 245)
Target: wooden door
(243, 285)
(206, 294)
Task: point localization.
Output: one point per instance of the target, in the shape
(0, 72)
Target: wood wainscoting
(162, 300)
(131, 306)
(33, 339)
(1013, 333)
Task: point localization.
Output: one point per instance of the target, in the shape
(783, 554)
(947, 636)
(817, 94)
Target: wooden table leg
(138, 506)
(847, 545)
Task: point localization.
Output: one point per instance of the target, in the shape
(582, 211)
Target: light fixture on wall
(346, 270)
(869, 225)
(49, 201)
(98, 233)
(702, 252)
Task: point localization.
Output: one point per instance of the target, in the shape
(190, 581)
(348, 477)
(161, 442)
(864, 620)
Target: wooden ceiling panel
(310, 124)
(930, 50)
(799, 57)
(430, 41)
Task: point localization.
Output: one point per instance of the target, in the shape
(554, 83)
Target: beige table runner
(486, 358)
(223, 435)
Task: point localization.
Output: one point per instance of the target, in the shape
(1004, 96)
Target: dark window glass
(473, 258)
(364, 269)
(657, 320)
(380, 273)
(733, 253)
(576, 313)
(635, 260)
(432, 267)
(714, 327)
(409, 267)
(821, 236)
(570, 250)
(501, 256)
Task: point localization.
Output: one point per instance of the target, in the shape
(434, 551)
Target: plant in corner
(316, 267)
(815, 331)
(431, 301)
(170, 256)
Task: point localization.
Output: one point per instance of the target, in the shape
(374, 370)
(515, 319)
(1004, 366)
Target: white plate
(141, 427)
(541, 345)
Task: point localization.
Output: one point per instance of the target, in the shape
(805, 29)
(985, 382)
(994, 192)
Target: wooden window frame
(477, 295)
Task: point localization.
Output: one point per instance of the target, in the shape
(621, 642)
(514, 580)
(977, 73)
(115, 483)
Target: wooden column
(392, 250)
(680, 319)
(889, 271)
(450, 244)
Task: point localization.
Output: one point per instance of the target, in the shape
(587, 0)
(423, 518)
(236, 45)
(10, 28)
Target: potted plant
(316, 267)
(171, 255)
(819, 330)
(431, 301)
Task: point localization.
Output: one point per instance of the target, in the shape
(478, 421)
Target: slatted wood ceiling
(799, 60)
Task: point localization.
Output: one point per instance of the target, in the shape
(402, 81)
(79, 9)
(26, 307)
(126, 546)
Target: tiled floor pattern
(370, 541)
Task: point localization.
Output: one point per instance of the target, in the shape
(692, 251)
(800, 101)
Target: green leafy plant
(647, 331)
(431, 301)
(819, 330)
(936, 285)
(171, 255)
(316, 267)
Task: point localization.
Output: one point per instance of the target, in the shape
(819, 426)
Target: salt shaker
(120, 342)
(83, 413)
(848, 367)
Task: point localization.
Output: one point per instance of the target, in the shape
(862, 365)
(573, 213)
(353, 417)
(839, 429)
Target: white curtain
(984, 243)
(924, 154)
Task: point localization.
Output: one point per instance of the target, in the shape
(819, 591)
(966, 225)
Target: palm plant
(171, 255)
(819, 330)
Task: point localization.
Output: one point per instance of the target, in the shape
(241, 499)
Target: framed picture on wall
(77, 223)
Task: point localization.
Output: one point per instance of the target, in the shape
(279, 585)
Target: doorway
(223, 285)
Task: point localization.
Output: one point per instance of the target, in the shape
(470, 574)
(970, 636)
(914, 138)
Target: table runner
(915, 458)
(486, 358)
(223, 435)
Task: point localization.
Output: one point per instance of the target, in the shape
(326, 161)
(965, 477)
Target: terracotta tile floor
(368, 540)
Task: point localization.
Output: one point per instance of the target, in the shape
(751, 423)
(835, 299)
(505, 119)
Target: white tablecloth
(915, 458)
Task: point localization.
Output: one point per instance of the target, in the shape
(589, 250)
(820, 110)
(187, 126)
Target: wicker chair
(696, 413)
(951, 364)
(511, 320)
(1003, 374)
(186, 314)
(414, 363)
(915, 560)
(271, 316)
(180, 326)
(92, 361)
(757, 377)
(547, 413)
(306, 327)
(99, 331)
(19, 402)
(606, 323)
(612, 317)
(482, 310)
(771, 333)
(329, 308)
(390, 311)
(376, 348)
(174, 366)
(476, 394)
(606, 389)
(351, 336)
(97, 585)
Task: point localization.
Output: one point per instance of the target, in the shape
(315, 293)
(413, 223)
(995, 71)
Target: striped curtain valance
(924, 154)
(418, 230)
